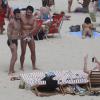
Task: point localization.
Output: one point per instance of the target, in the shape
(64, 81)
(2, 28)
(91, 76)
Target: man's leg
(69, 5)
(31, 45)
(23, 51)
(13, 49)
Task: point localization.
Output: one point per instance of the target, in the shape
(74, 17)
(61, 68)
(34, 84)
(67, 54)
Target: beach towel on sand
(79, 34)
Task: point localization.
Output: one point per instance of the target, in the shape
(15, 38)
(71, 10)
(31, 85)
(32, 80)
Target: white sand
(57, 53)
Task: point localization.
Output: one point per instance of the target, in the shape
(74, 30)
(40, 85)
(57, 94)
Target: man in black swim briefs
(13, 31)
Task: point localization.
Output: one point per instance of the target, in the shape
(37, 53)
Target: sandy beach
(65, 53)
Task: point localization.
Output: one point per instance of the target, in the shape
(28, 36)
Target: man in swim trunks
(28, 25)
(13, 31)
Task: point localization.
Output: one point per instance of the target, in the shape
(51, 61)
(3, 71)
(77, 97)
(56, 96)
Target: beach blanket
(79, 34)
(63, 77)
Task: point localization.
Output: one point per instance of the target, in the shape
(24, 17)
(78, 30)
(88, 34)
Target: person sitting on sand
(45, 13)
(87, 27)
(84, 8)
(94, 60)
(46, 17)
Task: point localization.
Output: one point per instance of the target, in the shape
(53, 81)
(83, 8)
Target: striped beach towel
(63, 77)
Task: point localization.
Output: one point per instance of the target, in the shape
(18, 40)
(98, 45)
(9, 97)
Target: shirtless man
(13, 31)
(94, 60)
(28, 25)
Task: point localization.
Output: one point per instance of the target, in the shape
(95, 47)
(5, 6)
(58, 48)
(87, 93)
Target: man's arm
(34, 28)
(10, 29)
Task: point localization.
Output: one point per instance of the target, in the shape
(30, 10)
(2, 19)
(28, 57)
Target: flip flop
(14, 78)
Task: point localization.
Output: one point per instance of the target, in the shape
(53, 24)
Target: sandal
(14, 78)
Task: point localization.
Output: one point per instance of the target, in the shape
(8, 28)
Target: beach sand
(65, 53)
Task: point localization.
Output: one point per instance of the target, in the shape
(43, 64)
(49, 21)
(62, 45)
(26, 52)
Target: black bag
(51, 84)
(40, 35)
(75, 28)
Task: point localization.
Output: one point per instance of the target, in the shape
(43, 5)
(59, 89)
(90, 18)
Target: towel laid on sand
(79, 34)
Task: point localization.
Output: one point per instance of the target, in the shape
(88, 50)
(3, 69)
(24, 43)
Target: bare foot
(13, 71)
(10, 73)
(69, 11)
(34, 68)
(22, 69)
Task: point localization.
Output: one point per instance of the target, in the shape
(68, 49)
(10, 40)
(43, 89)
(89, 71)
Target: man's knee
(23, 51)
(22, 55)
(15, 57)
(33, 54)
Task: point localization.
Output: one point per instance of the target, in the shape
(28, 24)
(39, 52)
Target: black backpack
(75, 28)
(40, 35)
(51, 84)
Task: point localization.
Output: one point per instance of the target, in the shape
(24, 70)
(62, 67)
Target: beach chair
(94, 81)
(55, 25)
(74, 79)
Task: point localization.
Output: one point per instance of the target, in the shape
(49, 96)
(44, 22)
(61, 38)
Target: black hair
(30, 8)
(16, 11)
(94, 0)
(93, 59)
(44, 3)
(87, 20)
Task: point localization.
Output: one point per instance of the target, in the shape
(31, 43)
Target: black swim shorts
(15, 41)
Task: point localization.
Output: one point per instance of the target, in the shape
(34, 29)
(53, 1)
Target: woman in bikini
(87, 27)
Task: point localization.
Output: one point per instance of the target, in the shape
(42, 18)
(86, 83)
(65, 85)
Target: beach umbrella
(99, 4)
